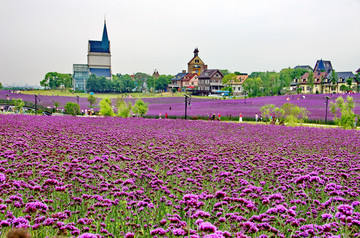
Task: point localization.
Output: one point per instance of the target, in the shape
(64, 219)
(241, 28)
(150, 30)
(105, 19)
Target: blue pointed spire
(321, 66)
(105, 40)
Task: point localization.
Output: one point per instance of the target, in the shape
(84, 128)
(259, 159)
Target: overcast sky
(40, 36)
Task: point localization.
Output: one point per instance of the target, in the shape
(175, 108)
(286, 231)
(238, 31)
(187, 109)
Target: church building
(98, 62)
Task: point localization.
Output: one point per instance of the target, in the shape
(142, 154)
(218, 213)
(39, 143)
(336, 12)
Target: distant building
(304, 85)
(99, 57)
(210, 81)
(190, 82)
(176, 81)
(237, 85)
(98, 62)
(196, 65)
(81, 74)
(306, 67)
(342, 79)
(156, 74)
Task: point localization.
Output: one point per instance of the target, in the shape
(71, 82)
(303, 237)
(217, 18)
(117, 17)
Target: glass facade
(81, 74)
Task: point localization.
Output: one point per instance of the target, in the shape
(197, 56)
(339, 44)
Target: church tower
(196, 65)
(99, 56)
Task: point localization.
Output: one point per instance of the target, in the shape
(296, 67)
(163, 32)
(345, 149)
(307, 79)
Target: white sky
(40, 36)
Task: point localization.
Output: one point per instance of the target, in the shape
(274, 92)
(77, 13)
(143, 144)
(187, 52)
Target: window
(239, 89)
(197, 61)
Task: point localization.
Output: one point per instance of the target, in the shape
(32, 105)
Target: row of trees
(125, 83)
(138, 82)
(54, 80)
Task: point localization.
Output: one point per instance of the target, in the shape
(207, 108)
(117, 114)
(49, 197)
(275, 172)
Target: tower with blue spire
(105, 44)
(99, 56)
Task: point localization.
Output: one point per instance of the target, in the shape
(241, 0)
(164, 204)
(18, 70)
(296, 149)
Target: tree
(124, 109)
(140, 107)
(344, 88)
(267, 110)
(253, 86)
(56, 105)
(106, 108)
(72, 108)
(19, 104)
(333, 79)
(92, 83)
(229, 78)
(346, 111)
(291, 114)
(162, 82)
(349, 84)
(140, 79)
(1, 86)
(225, 72)
(55, 80)
(92, 100)
(357, 80)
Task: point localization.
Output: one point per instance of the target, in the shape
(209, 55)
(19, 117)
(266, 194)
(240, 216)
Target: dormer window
(196, 61)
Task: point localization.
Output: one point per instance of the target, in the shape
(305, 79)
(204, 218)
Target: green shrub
(72, 108)
(140, 107)
(346, 110)
(106, 108)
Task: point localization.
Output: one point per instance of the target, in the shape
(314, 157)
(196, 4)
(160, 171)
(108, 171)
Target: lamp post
(186, 102)
(36, 100)
(326, 102)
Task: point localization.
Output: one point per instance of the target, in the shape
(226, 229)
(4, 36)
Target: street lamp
(37, 98)
(326, 102)
(186, 102)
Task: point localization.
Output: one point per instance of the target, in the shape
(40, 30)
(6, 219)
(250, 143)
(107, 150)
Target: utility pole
(326, 102)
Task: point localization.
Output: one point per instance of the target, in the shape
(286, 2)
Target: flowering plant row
(112, 177)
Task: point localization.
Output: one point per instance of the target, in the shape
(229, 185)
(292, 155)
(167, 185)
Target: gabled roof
(240, 79)
(357, 71)
(342, 75)
(323, 65)
(189, 76)
(303, 67)
(179, 76)
(208, 73)
(100, 72)
(318, 76)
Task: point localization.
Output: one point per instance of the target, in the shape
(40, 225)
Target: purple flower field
(112, 177)
(202, 107)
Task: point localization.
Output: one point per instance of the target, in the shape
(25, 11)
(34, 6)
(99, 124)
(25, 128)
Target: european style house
(324, 79)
